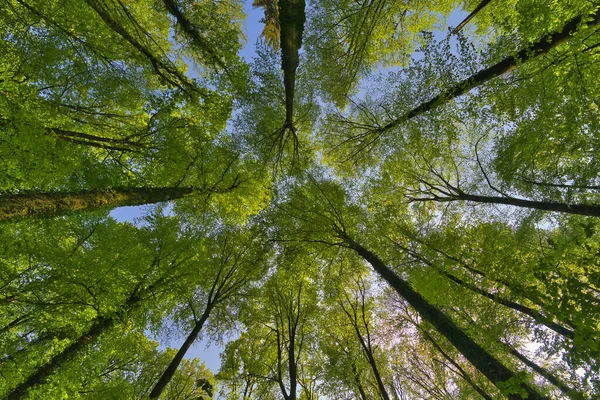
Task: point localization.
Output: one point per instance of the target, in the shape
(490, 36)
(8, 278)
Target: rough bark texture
(542, 46)
(172, 368)
(487, 364)
(590, 210)
(291, 22)
(17, 206)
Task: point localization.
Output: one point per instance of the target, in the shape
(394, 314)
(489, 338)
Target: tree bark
(470, 16)
(187, 26)
(18, 206)
(100, 325)
(382, 390)
(542, 46)
(359, 385)
(15, 322)
(368, 352)
(291, 21)
(486, 363)
(89, 137)
(543, 372)
(536, 315)
(93, 144)
(591, 210)
(463, 374)
(174, 364)
(158, 65)
(292, 367)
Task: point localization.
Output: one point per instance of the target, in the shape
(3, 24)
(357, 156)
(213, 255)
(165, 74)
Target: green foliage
(112, 94)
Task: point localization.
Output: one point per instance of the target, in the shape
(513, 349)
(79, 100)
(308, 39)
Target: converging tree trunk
(469, 17)
(542, 46)
(486, 363)
(188, 27)
(100, 325)
(448, 192)
(459, 370)
(162, 67)
(535, 314)
(550, 377)
(87, 139)
(174, 364)
(591, 210)
(225, 284)
(18, 206)
(369, 354)
(292, 366)
(291, 22)
(355, 315)
(358, 383)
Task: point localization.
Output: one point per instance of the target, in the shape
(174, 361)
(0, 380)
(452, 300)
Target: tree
(280, 318)
(355, 308)
(336, 232)
(369, 133)
(237, 265)
(56, 282)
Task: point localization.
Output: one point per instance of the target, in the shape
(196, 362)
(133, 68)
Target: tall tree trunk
(543, 372)
(100, 325)
(17, 206)
(174, 364)
(85, 139)
(542, 46)
(188, 27)
(382, 390)
(91, 138)
(93, 144)
(359, 385)
(291, 23)
(15, 322)
(292, 367)
(368, 351)
(164, 68)
(536, 315)
(469, 17)
(487, 364)
(590, 210)
(463, 374)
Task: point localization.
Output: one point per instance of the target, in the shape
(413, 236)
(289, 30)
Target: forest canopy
(388, 200)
